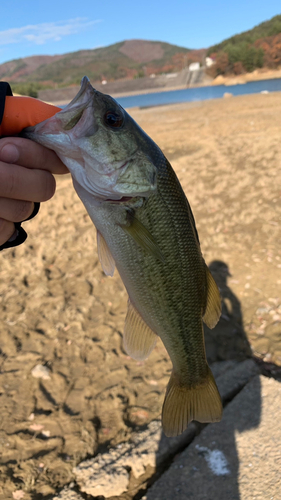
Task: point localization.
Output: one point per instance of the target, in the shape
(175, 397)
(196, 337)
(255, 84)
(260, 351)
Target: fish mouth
(72, 120)
(85, 83)
(124, 199)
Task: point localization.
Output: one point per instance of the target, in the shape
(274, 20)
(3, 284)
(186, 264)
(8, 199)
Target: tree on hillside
(221, 66)
(271, 47)
(237, 59)
(252, 49)
(263, 30)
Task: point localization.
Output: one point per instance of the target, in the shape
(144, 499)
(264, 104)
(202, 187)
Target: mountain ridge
(126, 59)
(259, 47)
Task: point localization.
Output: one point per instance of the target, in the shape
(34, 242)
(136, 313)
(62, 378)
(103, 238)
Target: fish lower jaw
(123, 199)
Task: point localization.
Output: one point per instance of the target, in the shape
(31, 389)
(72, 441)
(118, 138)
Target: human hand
(26, 170)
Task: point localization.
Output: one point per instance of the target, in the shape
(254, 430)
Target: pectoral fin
(142, 237)
(213, 306)
(138, 338)
(105, 257)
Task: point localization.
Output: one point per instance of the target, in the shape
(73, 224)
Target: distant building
(209, 61)
(194, 66)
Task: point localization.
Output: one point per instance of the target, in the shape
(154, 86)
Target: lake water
(198, 94)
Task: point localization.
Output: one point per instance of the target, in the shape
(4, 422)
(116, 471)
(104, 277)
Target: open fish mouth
(85, 82)
(124, 199)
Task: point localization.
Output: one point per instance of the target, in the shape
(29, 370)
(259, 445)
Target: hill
(256, 48)
(124, 60)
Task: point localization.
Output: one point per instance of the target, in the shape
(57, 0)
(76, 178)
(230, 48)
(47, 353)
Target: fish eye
(113, 119)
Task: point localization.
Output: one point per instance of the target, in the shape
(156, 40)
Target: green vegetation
(238, 59)
(139, 74)
(29, 89)
(263, 30)
(243, 52)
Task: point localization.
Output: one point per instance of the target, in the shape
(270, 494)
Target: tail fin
(183, 404)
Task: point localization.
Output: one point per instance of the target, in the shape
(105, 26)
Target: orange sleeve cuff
(22, 112)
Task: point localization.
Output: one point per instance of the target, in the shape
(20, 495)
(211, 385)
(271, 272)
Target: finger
(7, 229)
(31, 155)
(15, 210)
(24, 184)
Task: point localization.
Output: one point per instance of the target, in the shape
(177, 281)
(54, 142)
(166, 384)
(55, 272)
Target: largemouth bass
(146, 228)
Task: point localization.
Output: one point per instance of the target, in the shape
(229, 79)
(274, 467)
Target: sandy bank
(258, 74)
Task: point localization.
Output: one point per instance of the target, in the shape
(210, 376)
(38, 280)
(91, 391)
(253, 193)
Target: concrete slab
(237, 459)
(107, 474)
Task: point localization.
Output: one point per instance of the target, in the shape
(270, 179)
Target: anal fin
(105, 257)
(138, 338)
(183, 404)
(213, 306)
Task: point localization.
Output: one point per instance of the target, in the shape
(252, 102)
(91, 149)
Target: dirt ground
(67, 387)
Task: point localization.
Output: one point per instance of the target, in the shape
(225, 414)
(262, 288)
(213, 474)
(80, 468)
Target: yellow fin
(138, 338)
(213, 306)
(142, 236)
(105, 257)
(183, 404)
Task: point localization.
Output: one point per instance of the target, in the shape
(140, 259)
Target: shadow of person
(227, 341)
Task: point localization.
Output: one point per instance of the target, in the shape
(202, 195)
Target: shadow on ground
(227, 341)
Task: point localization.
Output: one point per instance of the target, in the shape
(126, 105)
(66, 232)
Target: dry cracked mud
(67, 387)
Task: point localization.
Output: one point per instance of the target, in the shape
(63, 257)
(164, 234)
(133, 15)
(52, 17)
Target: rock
(40, 371)
(102, 477)
(67, 494)
(227, 94)
(18, 494)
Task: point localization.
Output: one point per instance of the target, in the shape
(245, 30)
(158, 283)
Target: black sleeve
(19, 235)
(5, 89)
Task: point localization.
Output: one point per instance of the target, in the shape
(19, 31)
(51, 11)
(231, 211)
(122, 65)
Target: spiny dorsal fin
(138, 338)
(105, 257)
(183, 404)
(213, 306)
(142, 237)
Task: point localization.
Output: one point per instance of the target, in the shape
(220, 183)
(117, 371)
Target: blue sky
(54, 27)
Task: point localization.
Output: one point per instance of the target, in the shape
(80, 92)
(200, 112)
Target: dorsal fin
(105, 257)
(138, 338)
(213, 305)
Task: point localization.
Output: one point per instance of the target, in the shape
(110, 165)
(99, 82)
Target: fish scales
(146, 227)
(162, 295)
